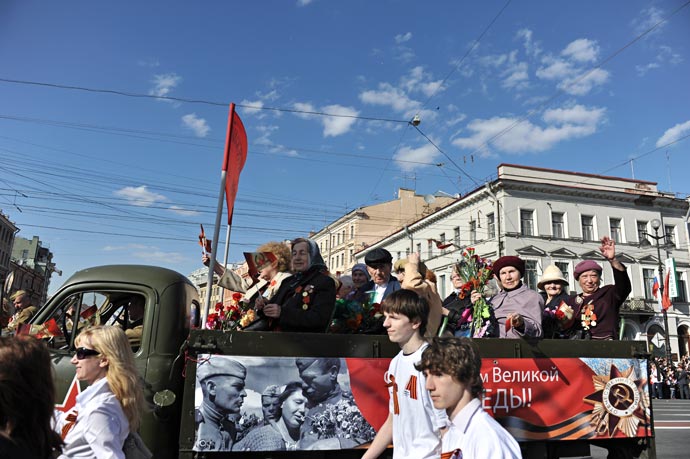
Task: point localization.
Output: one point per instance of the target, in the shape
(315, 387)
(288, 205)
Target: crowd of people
(296, 292)
(669, 381)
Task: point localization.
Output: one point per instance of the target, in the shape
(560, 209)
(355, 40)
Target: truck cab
(154, 306)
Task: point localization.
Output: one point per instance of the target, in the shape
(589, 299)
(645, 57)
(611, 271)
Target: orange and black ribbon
(71, 422)
(396, 406)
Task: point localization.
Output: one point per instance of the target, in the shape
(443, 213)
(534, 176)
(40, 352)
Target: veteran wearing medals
(222, 385)
(305, 300)
(597, 308)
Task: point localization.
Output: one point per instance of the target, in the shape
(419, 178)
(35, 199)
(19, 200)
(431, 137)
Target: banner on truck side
(288, 403)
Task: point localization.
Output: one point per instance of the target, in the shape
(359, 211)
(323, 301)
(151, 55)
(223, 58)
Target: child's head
(409, 304)
(457, 357)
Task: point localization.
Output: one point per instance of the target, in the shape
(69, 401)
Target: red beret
(516, 262)
(586, 265)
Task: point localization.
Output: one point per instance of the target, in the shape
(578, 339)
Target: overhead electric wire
(193, 101)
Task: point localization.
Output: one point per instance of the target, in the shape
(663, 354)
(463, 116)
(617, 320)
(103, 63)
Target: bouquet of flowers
(475, 273)
(352, 315)
(343, 420)
(235, 316)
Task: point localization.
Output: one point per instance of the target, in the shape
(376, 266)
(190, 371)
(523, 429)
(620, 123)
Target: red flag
(665, 299)
(235, 157)
(256, 261)
(440, 245)
(203, 242)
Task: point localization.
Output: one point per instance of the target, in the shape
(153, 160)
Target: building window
(407, 252)
(669, 231)
(564, 266)
(352, 255)
(442, 238)
(616, 232)
(442, 285)
(558, 225)
(491, 226)
(682, 289)
(342, 259)
(25, 254)
(352, 232)
(531, 274)
(419, 249)
(587, 227)
(527, 222)
(430, 248)
(473, 232)
(456, 235)
(642, 231)
(648, 279)
(398, 255)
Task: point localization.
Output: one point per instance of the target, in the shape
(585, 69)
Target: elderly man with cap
(518, 309)
(23, 310)
(222, 386)
(380, 265)
(597, 308)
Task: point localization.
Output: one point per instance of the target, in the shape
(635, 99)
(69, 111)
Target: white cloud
(554, 69)
(404, 54)
(304, 2)
(420, 81)
(571, 70)
(402, 38)
(160, 257)
(582, 50)
(253, 107)
(140, 196)
(304, 107)
(197, 125)
(116, 248)
(580, 85)
(664, 56)
(516, 76)
(674, 133)
(335, 126)
(164, 83)
(182, 211)
(646, 19)
(150, 63)
(532, 48)
(425, 153)
(456, 120)
(526, 137)
(264, 139)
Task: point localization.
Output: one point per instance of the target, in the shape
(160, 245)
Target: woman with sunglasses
(110, 408)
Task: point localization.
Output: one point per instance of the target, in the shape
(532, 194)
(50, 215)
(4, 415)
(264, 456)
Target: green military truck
(555, 397)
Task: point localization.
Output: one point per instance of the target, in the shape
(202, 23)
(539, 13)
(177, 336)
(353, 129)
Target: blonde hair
(122, 375)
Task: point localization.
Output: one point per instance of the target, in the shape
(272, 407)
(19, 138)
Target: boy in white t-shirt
(413, 426)
(451, 367)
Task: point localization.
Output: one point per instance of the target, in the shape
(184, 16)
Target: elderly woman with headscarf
(305, 300)
(597, 308)
(360, 275)
(518, 309)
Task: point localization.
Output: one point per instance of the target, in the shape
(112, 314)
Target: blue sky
(105, 178)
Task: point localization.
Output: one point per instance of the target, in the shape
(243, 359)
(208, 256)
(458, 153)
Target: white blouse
(101, 427)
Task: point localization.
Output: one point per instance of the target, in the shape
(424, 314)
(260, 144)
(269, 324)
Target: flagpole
(225, 258)
(219, 212)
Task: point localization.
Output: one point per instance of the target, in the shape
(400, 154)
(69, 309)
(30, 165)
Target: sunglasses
(83, 353)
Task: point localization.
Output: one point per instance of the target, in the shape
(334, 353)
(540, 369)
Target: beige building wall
(340, 240)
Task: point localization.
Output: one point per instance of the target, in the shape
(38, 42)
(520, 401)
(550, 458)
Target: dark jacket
(307, 301)
(550, 325)
(607, 301)
(456, 306)
(393, 286)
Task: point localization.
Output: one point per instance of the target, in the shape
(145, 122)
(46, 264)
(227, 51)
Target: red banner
(235, 157)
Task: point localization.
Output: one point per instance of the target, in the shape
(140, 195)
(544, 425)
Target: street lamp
(656, 224)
